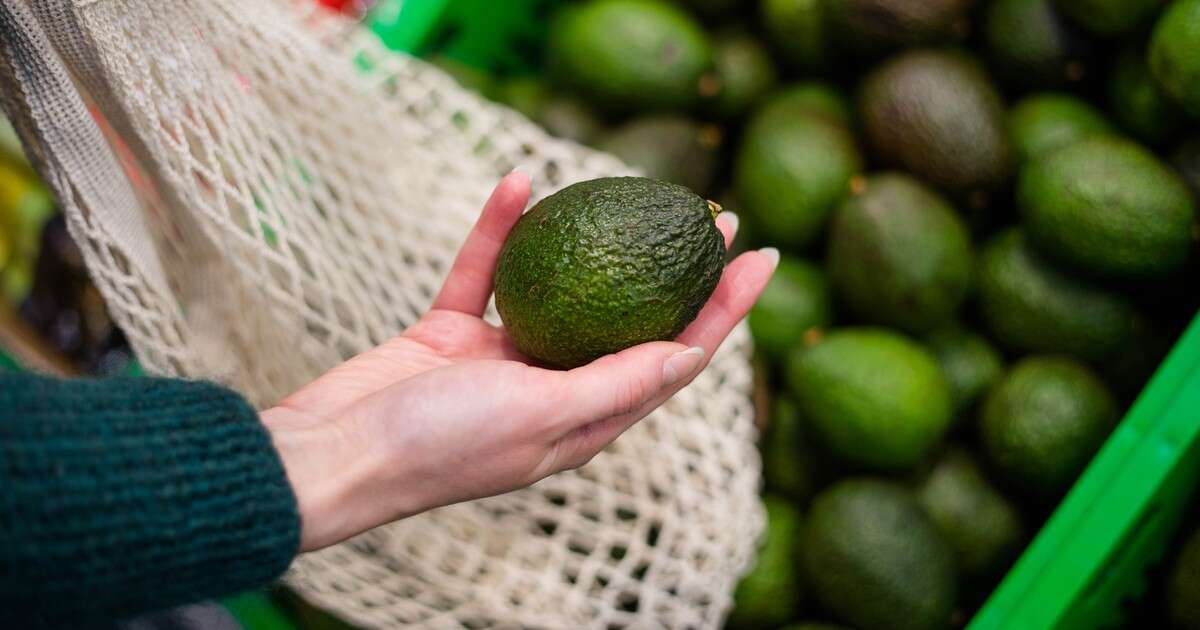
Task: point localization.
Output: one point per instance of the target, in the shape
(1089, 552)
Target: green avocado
(669, 147)
(770, 595)
(875, 560)
(795, 304)
(1175, 53)
(1139, 104)
(1032, 47)
(606, 264)
(799, 31)
(869, 27)
(815, 97)
(1108, 207)
(791, 169)
(744, 74)
(792, 465)
(873, 397)
(937, 115)
(629, 55)
(1183, 585)
(1029, 305)
(1043, 422)
(1040, 123)
(562, 115)
(969, 361)
(1185, 157)
(982, 527)
(899, 255)
(1108, 17)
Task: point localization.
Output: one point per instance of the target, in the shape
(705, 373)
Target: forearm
(118, 497)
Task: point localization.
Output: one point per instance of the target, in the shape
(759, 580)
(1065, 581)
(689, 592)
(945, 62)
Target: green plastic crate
(1091, 557)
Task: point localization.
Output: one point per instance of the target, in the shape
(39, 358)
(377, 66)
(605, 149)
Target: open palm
(450, 410)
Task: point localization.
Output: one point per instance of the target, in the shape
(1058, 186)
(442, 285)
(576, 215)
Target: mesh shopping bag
(261, 190)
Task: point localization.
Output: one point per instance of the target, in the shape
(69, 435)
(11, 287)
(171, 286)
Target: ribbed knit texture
(123, 496)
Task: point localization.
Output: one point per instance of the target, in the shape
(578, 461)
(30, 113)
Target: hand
(450, 410)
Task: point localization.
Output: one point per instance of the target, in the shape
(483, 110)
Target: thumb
(622, 383)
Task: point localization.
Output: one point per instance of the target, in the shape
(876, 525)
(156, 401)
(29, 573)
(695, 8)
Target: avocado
(873, 397)
(1139, 104)
(1175, 53)
(1108, 17)
(744, 74)
(936, 114)
(1185, 157)
(1043, 421)
(1130, 367)
(771, 593)
(791, 168)
(1030, 305)
(629, 55)
(969, 361)
(874, 559)
(898, 254)
(1032, 47)
(795, 304)
(1040, 123)
(815, 97)
(792, 465)
(667, 147)
(1183, 585)
(799, 32)
(560, 114)
(871, 27)
(606, 264)
(982, 527)
(711, 8)
(1108, 207)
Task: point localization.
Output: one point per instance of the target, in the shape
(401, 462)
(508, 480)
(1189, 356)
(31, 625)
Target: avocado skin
(1183, 585)
(771, 593)
(669, 147)
(869, 27)
(792, 167)
(816, 97)
(795, 302)
(745, 72)
(1043, 422)
(1139, 104)
(1032, 47)
(606, 264)
(1108, 17)
(980, 524)
(629, 55)
(1175, 53)
(971, 364)
(1108, 207)
(935, 114)
(1040, 123)
(899, 255)
(1030, 305)
(875, 560)
(799, 32)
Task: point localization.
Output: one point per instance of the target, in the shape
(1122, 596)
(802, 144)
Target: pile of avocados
(987, 213)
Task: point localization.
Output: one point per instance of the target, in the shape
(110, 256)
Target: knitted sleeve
(122, 496)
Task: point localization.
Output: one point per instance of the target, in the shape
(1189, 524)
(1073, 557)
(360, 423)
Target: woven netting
(301, 193)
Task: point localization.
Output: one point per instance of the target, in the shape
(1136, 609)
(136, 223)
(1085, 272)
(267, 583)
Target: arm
(127, 495)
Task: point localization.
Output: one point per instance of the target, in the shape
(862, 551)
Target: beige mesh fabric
(283, 209)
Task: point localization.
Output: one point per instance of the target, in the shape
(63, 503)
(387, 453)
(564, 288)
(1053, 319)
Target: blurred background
(987, 217)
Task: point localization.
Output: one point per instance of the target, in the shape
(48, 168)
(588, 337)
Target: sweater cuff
(123, 496)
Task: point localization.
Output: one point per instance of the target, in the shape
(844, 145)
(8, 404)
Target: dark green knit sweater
(123, 496)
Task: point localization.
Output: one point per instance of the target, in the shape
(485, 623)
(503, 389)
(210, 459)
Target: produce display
(987, 212)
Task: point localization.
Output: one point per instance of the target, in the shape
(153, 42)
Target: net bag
(261, 190)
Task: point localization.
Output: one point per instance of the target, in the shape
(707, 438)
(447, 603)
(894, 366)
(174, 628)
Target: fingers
(469, 284)
(727, 222)
(739, 287)
(621, 383)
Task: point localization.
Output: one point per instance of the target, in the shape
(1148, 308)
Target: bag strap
(63, 139)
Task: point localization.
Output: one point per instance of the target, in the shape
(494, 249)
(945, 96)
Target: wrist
(329, 471)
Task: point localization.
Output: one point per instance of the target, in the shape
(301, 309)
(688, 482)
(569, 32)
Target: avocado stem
(714, 207)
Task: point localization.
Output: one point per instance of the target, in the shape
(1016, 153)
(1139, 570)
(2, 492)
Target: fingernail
(772, 255)
(731, 219)
(681, 364)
